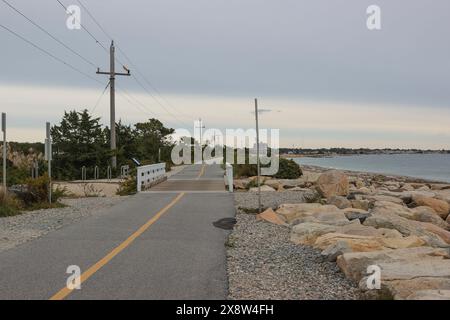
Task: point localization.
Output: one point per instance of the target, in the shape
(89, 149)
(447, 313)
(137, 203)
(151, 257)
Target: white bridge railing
(150, 175)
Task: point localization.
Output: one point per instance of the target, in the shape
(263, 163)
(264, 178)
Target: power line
(136, 103)
(100, 98)
(134, 66)
(48, 33)
(95, 20)
(49, 54)
(61, 60)
(84, 28)
(149, 83)
(162, 106)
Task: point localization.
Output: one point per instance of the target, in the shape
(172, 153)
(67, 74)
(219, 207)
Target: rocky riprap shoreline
(21, 228)
(263, 264)
(353, 220)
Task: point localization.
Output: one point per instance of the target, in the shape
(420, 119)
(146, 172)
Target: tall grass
(9, 205)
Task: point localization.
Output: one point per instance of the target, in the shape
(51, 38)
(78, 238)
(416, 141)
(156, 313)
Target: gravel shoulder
(25, 227)
(263, 264)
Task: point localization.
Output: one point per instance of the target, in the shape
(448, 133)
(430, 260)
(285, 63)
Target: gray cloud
(290, 48)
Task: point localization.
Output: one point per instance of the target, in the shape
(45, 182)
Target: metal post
(5, 190)
(96, 174)
(49, 159)
(83, 173)
(257, 156)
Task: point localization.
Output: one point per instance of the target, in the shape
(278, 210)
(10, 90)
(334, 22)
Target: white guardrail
(150, 175)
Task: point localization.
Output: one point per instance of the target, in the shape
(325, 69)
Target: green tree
(125, 142)
(78, 140)
(150, 137)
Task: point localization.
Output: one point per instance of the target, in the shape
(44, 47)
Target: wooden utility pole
(48, 157)
(257, 156)
(112, 90)
(5, 190)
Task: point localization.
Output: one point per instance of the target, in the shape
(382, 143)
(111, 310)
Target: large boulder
(332, 183)
(419, 268)
(355, 243)
(383, 198)
(292, 211)
(402, 243)
(308, 232)
(327, 214)
(353, 214)
(443, 195)
(359, 183)
(272, 183)
(264, 188)
(335, 244)
(430, 295)
(422, 214)
(405, 196)
(427, 214)
(354, 264)
(271, 216)
(407, 187)
(291, 183)
(440, 186)
(310, 176)
(240, 184)
(340, 202)
(385, 218)
(441, 207)
(333, 251)
(357, 228)
(361, 204)
(443, 234)
(398, 209)
(405, 288)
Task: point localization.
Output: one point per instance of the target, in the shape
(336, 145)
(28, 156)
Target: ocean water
(427, 166)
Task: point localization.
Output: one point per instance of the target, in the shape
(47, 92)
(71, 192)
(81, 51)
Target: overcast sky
(326, 79)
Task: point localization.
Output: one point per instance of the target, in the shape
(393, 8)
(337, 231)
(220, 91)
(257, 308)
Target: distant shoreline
(399, 177)
(316, 154)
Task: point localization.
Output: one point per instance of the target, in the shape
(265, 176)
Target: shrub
(245, 170)
(289, 169)
(37, 191)
(9, 205)
(127, 187)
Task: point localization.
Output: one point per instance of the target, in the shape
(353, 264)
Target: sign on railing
(150, 175)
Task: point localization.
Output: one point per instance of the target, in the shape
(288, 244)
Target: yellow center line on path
(63, 293)
(202, 171)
